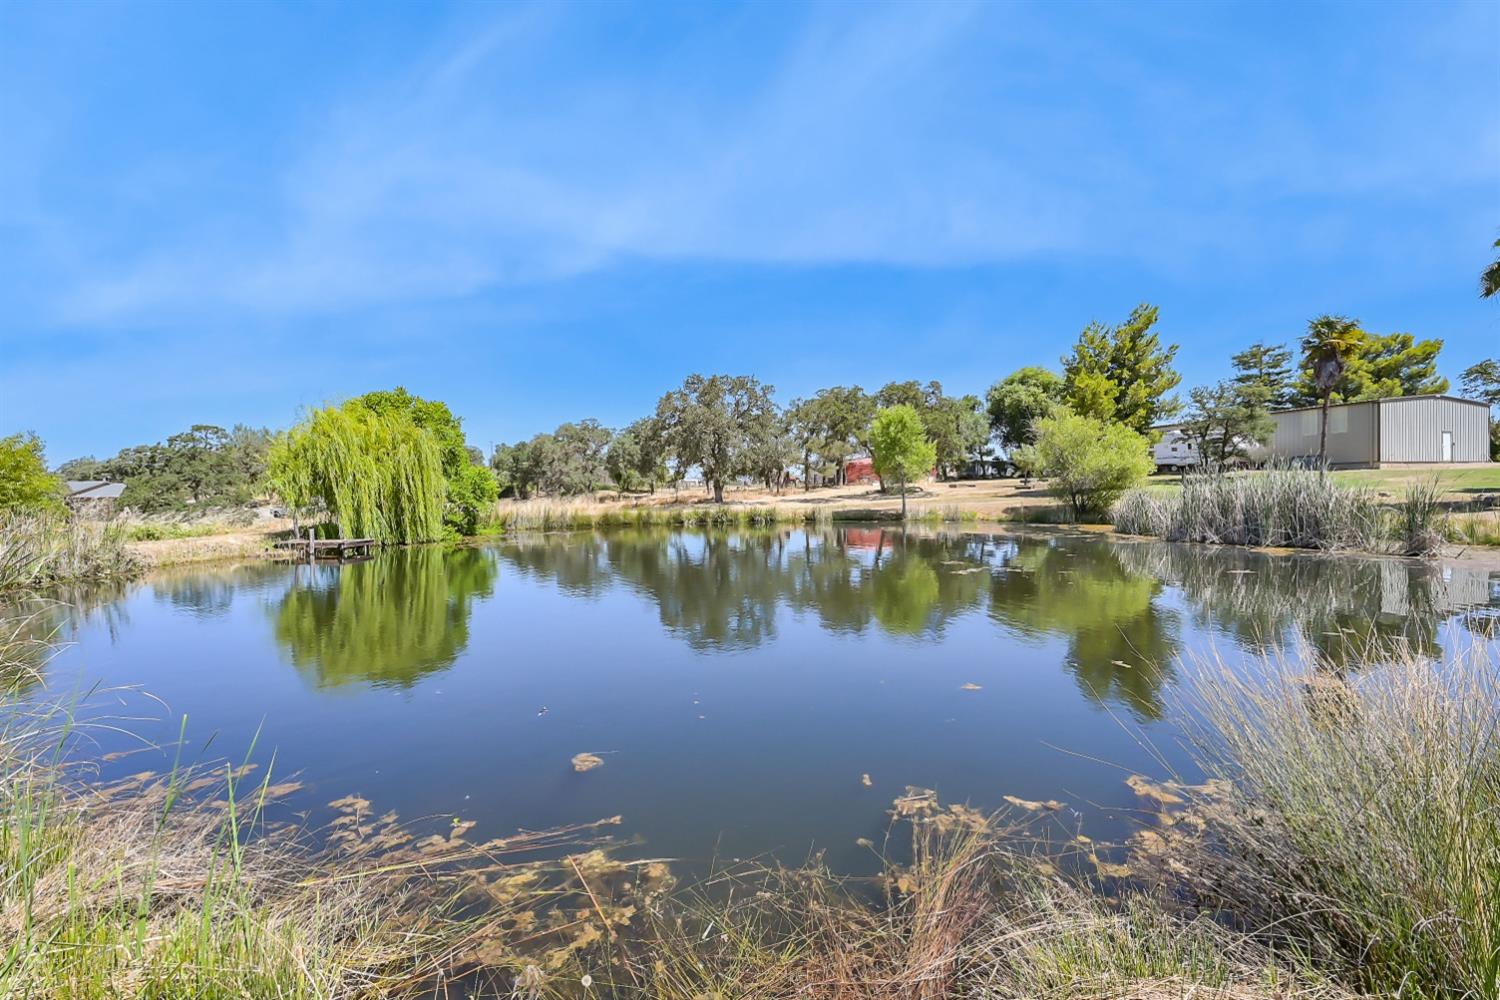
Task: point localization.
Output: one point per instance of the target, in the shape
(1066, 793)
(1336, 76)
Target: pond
(749, 692)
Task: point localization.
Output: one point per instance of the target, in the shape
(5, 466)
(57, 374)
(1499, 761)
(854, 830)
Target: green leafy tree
(1489, 278)
(900, 446)
(621, 459)
(1329, 346)
(844, 413)
(959, 431)
(1090, 462)
(771, 448)
(1381, 366)
(467, 493)
(85, 468)
(833, 425)
(1227, 420)
(955, 424)
(430, 415)
(506, 462)
(471, 493)
(908, 393)
(576, 462)
(805, 426)
(202, 466)
(1018, 401)
(1268, 366)
(25, 482)
(651, 451)
(377, 473)
(1122, 373)
(712, 422)
(1481, 381)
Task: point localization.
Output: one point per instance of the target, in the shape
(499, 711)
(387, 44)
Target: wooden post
(309, 545)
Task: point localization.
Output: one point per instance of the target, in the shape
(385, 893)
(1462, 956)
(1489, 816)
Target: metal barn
(1406, 430)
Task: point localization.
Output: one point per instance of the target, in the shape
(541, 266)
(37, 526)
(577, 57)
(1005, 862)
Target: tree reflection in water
(385, 622)
(1118, 607)
(1120, 641)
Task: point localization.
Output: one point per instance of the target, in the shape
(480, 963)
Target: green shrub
(25, 482)
(471, 491)
(1088, 462)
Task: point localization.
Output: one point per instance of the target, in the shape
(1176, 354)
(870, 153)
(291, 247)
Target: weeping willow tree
(378, 474)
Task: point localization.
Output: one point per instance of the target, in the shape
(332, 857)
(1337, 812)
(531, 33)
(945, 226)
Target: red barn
(860, 470)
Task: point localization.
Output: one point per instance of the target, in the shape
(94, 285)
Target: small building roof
(94, 489)
(1384, 400)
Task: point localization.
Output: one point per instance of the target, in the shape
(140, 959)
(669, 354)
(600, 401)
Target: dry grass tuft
(1353, 817)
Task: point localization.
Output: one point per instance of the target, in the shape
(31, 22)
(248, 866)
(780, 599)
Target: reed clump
(1292, 508)
(1352, 816)
(42, 548)
(1421, 521)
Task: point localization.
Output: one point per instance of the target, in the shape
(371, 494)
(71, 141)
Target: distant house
(1376, 433)
(93, 494)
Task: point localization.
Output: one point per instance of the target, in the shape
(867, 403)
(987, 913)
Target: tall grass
(578, 514)
(1295, 508)
(1355, 818)
(1475, 527)
(1421, 523)
(38, 549)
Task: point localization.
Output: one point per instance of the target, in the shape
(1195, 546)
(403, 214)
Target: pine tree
(1268, 366)
(1122, 373)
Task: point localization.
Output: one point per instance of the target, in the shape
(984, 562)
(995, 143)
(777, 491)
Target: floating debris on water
(864, 779)
(586, 761)
(971, 686)
(1050, 805)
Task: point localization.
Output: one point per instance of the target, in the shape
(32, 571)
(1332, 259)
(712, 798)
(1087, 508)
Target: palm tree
(1330, 344)
(1489, 278)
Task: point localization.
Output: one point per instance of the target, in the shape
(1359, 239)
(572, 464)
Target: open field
(207, 542)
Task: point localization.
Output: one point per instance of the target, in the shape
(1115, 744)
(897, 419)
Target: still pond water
(737, 685)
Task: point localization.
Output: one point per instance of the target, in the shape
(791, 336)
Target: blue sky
(541, 212)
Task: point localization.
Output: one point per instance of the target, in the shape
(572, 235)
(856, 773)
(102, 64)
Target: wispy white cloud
(917, 135)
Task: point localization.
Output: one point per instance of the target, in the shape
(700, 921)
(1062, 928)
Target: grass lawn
(1454, 481)
(1457, 483)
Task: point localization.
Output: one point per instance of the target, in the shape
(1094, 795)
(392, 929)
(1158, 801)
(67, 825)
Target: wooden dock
(326, 548)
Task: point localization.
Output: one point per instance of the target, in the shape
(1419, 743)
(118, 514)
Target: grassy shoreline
(1345, 843)
(73, 550)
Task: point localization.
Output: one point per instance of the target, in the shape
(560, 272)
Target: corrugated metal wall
(1411, 430)
(1351, 434)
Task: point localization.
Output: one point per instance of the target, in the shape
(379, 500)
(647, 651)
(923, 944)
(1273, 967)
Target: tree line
(394, 466)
